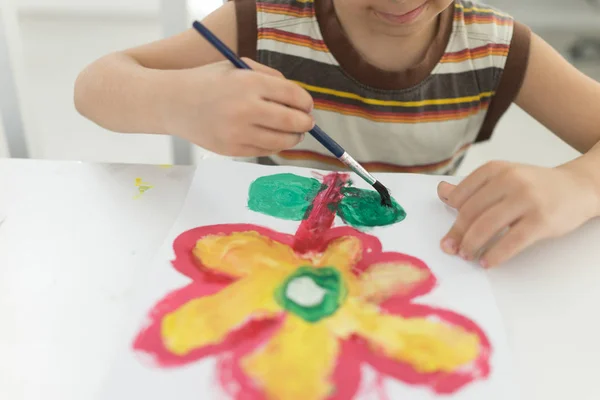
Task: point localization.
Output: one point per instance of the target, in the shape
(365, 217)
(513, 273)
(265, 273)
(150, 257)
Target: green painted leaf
(285, 196)
(362, 209)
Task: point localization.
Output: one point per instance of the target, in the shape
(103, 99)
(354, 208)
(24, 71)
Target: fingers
(267, 113)
(471, 184)
(255, 151)
(487, 196)
(272, 85)
(520, 236)
(285, 92)
(258, 67)
(283, 119)
(444, 189)
(244, 151)
(272, 141)
(488, 226)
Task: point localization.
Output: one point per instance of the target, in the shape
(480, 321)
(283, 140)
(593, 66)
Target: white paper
(218, 195)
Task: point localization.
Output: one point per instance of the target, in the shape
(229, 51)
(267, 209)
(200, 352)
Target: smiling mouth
(402, 18)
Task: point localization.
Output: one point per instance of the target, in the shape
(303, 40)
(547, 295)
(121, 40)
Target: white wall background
(104, 6)
(583, 15)
(573, 15)
(140, 7)
(3, 146)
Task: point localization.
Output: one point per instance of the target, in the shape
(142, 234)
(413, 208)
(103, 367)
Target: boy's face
(393, 17)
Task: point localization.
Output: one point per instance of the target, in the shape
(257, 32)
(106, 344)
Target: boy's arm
(561, 97)
(126, 91)
(519, 204)
(567, 102)
(189, 49)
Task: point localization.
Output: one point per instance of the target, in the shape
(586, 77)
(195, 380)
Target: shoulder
(254, 14)
(501, 46)
(481, 22)
(493, 33)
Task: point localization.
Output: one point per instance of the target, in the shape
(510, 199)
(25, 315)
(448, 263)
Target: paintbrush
(330, 144)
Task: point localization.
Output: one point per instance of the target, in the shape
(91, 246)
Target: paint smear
(285, 196)
(320, 215)
(362, 209)
(142, 187)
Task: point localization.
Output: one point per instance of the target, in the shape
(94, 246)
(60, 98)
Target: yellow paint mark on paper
(142, 186)
(166, 166)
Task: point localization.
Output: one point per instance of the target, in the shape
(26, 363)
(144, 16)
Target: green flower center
(312, 293)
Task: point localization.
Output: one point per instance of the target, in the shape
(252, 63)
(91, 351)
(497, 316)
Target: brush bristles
(386, 199)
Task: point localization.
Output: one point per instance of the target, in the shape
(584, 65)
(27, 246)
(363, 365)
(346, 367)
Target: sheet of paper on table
(274, 283)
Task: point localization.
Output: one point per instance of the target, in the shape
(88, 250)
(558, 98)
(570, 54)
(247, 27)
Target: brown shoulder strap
(247, 31)
(510, 82)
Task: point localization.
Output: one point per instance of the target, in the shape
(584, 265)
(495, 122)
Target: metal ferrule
(357, 168)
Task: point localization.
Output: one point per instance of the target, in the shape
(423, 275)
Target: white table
(75, 241)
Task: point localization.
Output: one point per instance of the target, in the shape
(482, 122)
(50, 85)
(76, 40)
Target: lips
(402, 18)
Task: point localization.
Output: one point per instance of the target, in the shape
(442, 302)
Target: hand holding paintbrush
(316, 132)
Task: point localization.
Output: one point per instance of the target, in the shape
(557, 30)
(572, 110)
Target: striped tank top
(422, 120)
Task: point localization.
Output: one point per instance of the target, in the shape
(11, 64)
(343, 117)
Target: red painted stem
(309, 236)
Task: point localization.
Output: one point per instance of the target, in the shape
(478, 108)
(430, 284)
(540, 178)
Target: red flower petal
(372, 255)
(441, 383)
(405, 293)
(370, 244)
(150, 342)
(190, 266)
(347, 376)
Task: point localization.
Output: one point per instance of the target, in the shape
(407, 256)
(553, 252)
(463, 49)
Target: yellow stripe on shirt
(394, 103)
(481, 10)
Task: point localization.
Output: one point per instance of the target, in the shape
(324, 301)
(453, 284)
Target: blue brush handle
(316, 132)
(327, 141)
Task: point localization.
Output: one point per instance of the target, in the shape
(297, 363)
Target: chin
(391, 29)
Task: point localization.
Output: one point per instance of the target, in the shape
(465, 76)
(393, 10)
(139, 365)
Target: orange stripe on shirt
(281, 9)
(471, 19)
(306, 155)
(396, 117)
(292, 38)
(478, 52)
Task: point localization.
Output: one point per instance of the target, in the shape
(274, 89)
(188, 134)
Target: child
(402, 85)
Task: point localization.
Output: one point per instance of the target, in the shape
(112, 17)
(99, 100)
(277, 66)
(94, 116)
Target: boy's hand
(236, 113)
(534, 203)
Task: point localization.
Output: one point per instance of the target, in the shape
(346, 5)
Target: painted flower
(284, 325)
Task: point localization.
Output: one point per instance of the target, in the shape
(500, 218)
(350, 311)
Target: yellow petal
(384, 280)
(208, 320)
(428, 345)
(243, 253)
(342, 253)
(297, 363)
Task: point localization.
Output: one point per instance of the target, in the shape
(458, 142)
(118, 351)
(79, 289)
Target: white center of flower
(305, 292)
